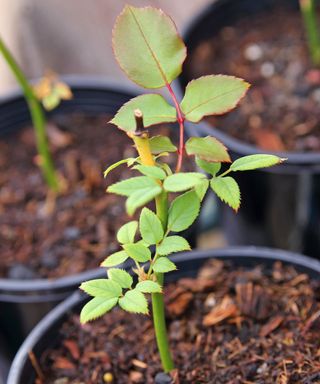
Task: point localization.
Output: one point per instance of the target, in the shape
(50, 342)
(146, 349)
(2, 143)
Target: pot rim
(240, 254)
(236, 145)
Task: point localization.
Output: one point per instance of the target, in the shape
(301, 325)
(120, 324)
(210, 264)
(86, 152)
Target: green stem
(38, 119)
(308, 10)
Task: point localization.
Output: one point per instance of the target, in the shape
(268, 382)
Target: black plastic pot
(280, 205)
(24, 303)
(46, 332)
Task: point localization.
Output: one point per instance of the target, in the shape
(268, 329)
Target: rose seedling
(150, 51)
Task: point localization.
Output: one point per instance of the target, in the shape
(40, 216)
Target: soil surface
(228, 325)
(40, 240)
(281, 111)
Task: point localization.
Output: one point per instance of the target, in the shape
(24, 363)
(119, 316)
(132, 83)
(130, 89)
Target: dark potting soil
(226, 326)
(79, 232)
(281, 111)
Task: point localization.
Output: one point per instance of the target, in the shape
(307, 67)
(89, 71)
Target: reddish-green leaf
(154, 108)
(147, 46)
(212, 95)
(207, 148)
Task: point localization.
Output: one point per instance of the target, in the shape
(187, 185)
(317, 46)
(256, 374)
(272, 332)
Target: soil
(228, 325)
(281, 111)
(79, 232)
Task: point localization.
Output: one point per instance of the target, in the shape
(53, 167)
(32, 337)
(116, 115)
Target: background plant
(150, 51)
(49, 91)
(309, 14)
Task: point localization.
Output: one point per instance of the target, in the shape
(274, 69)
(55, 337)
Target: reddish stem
(181, 128)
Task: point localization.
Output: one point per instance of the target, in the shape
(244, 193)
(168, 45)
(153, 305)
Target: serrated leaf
(102, 288)
(182, 181)
(142, 197)
(250, 162)
(138, 252)
(127, 232)
(148, 286)
(212, 95)
(172, 244)
(115, 259)
(163, 265)
(96, 307)
(159, 144)
(147, 59)
(201, 189)
(121, 277)
(151, 171)
(211, 168)
(227, 190)
(150, 227)
(155, 110)
(183, 211)
(117, 164)
(133, 185)
(207, 148)
(134, 301)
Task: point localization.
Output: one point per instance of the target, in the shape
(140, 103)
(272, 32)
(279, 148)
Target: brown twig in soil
(36, 366)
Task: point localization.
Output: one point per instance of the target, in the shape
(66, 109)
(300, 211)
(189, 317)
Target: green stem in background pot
(38, 120)
(309, 14)
(150, 51)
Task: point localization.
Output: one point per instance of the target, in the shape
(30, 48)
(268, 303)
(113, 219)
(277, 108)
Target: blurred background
(71, 37)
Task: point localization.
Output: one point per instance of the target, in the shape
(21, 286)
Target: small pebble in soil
(162, 378)
(49, 259)
(267, 69)
(21, 272)
(253, 52)
(71, 233)
(108, 377)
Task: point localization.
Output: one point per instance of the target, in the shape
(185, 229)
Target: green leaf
(247, 163)
(183, 211)
(211, 168)
(115, 165)
(134, 184)
(115, 259)
(155, 110)
(212, 95)
(173, 244)
(138, 252)
(148, 286)
(151, 171)
(227, 190)
(96, 307)
(163, 265)
(142, 197)
(127, 232)
(102, 288)
(159, 144)
(207, 148)
(201, 189)
(150, 227)
(134, 301)
(147, 46)
(121, 277)
(182, 181)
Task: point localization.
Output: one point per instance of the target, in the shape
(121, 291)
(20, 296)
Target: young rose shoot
(151, 53)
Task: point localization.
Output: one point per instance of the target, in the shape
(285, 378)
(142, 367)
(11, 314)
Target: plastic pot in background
(46, 332)
(24, 303)
(281, 205)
